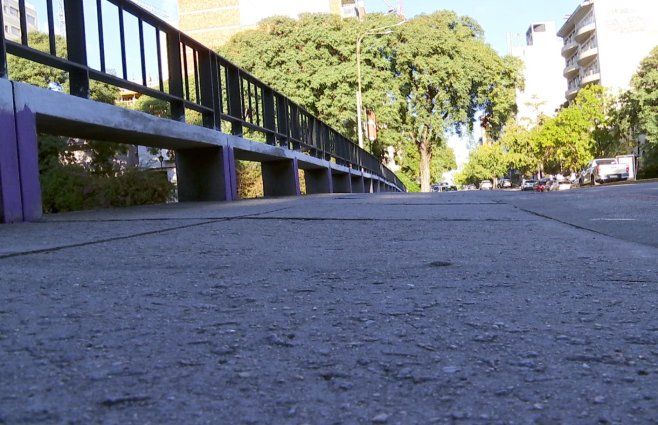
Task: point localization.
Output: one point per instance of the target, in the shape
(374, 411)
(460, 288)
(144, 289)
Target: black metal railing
(176, 69)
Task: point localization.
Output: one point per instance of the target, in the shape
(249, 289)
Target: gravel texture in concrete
(475, 307)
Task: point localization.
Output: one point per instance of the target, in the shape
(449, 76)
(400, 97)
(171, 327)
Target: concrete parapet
(341, 182)
(281, 178)
(206, 174)
(358, 184)
(318, 180)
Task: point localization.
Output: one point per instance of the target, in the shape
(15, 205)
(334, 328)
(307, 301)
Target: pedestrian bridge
(235, 107)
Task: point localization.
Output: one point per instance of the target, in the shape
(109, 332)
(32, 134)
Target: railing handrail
(198, 79)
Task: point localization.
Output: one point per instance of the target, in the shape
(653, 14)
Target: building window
(16, 31)
(539, 28)
(13, 11)
(31, 21)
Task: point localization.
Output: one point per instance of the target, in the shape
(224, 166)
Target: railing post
(283, 120)
(294, 126)
(3, 49)
(175, 76)
(269, 115)
(234, 92)
(209, 85)
(76, 48)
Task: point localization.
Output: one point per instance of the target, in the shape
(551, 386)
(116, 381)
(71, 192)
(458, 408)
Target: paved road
(467, 308)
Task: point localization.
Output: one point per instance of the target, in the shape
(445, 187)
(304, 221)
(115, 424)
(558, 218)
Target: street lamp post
(359, 100)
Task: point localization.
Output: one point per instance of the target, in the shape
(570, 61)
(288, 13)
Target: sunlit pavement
(470, 307)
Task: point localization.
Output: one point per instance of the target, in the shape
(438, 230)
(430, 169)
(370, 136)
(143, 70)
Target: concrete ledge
(66, 115)
(206, 175)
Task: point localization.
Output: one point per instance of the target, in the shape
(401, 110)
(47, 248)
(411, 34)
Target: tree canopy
(422, 79)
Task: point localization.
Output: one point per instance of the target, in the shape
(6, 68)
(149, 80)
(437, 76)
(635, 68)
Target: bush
(72, 188)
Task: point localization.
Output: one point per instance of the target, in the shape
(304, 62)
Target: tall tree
(447, 75)
(486, 162)
(644, 93)
(422, 79)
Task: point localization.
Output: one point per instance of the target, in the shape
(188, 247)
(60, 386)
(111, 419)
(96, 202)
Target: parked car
(505, 184)
(564, 185)
(541, 185)
(486, 185)
(470, 187)
(602, 171)
(528, 185)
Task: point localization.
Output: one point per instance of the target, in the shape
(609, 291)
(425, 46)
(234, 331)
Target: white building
(605, 40)
(214, 22)
(543, 64)
(12, 21)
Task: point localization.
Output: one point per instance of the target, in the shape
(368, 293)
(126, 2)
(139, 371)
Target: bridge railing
(168, 65)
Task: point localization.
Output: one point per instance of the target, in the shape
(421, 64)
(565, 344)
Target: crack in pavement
(134, 235)
(458, 220)
(579, 227)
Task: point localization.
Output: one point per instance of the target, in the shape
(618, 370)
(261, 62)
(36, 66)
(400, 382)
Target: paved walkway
(398, 309)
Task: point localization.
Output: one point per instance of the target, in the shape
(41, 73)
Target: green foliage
(443, 160)
(27, 71)
(486, 162)
(71, 187)
(424, 77)
(644, 95)
(637, 115)
(250, 180)
(578, 133)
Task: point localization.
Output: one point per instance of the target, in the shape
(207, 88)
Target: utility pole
(359, 102)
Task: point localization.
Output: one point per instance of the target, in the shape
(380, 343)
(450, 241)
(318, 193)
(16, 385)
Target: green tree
(644, 94)
(638, 113)
(426, 77)
(54, 149)
(579, 133)
(519, 143)
(486, 162)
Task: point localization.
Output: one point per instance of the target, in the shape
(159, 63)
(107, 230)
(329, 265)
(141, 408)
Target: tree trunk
(425, 159)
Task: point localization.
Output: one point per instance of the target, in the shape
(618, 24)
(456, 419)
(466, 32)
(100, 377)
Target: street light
(359, 105)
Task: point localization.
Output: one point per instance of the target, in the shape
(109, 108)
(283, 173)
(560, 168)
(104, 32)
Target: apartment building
(12, 21)
(214, 22)
(539, 49)
(604, 42)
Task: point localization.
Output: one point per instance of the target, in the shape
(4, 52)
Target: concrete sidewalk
(390, 308)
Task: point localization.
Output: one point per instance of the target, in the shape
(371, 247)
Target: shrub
(72, 188)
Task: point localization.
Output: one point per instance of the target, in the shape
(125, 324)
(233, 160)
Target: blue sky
(497, 17)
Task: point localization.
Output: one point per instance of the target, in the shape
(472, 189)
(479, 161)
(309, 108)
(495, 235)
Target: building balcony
(569, 48)
(587, 56)
(593, 77)
(570, 94)
(584, 32)
(571, 71)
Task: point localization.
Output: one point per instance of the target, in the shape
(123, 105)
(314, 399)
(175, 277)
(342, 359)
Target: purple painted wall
(11, 207)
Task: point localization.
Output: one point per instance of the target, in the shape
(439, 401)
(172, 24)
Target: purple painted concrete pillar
(11, 204)
(206, 174)
(341, 182)
(358, 184)
(318, 180)
(230, 174)
(28, 155)
(281, 178)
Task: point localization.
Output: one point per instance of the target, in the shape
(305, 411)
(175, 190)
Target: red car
(542, 185)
